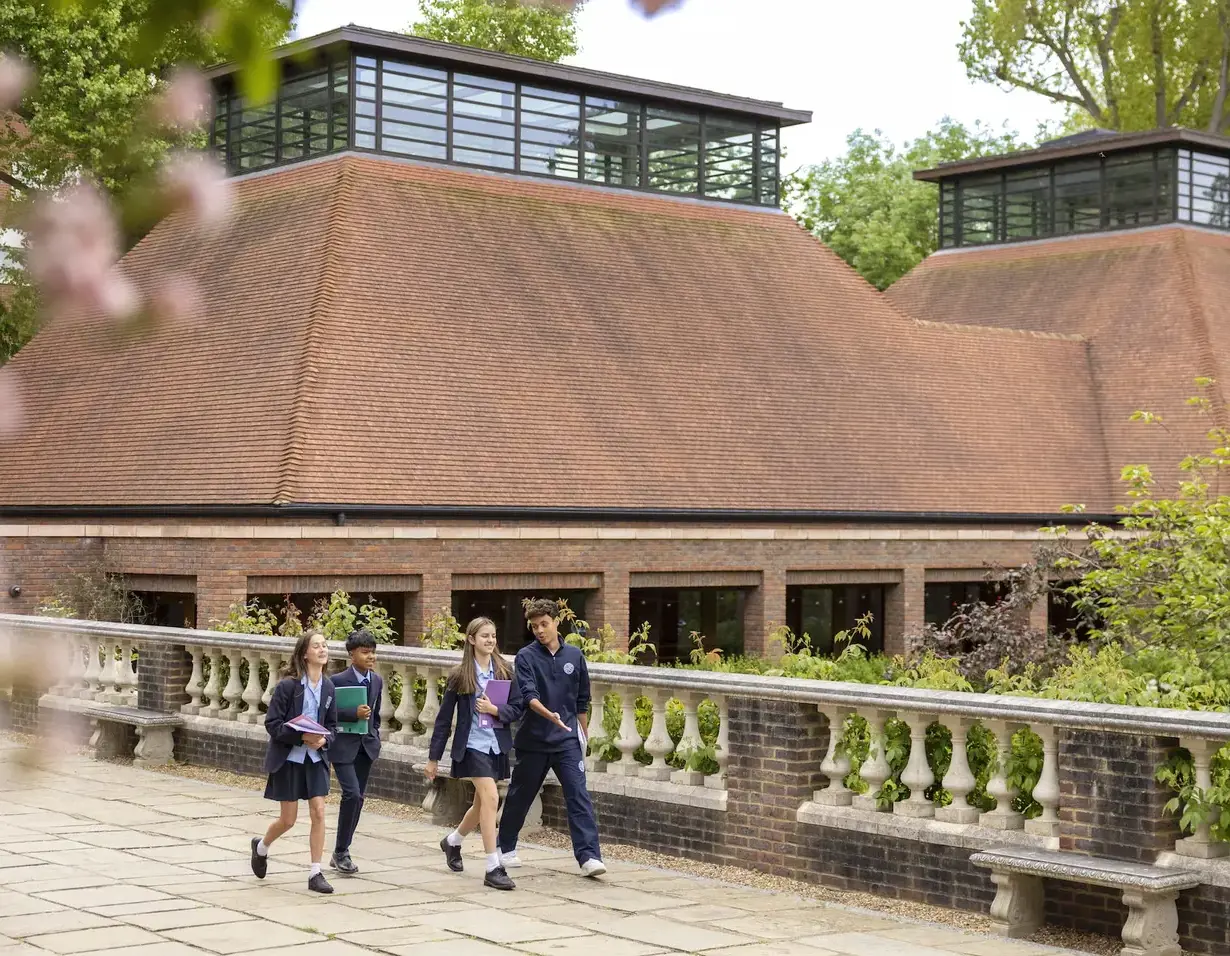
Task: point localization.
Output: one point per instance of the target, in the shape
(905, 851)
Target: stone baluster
(721, 748)
(629, 737)
(106, 673)
(212, 695)
(875, 770)
(690, 740)
(273, 665)
(252, 691)
(234, 685)
(917, 774)
(658, 744)
(1003, 817)
(67, 665)
(125, 676)
(836, 763)
(1200, 844)
(194, 687)
(598, 694)
(79, 649)
(1046, 790)
(93, 669)
(385, 705)
(959, 780)
(407, 708)
(431, 704)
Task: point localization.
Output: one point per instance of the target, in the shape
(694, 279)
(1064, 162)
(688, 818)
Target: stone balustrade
(232, 676)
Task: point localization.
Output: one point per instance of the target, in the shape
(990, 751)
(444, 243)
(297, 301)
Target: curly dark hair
(537, 607)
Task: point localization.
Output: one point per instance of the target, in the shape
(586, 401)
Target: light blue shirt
(311, 708)
(482, 739)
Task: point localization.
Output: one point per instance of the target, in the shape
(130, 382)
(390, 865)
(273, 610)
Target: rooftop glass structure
(1092, 182)
(365, 90)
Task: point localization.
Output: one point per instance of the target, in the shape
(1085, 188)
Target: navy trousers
(527, 777)
(352, 777)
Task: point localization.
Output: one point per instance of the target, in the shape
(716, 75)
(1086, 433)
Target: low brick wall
(1117, 793)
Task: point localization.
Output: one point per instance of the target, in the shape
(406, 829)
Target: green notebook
(349, 698)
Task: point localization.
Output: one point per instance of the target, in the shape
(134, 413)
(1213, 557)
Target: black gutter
(340, 512)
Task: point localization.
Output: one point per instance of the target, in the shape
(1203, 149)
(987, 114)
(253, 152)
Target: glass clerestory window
(1086, 194)
(426, 112)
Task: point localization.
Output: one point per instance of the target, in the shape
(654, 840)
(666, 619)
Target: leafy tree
(545, 31)
(867, 206)
(1166, 583)
(1117, 64)
(100, 64)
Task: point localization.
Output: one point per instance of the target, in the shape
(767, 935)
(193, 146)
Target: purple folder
(497, 693)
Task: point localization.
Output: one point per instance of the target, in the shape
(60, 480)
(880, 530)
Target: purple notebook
(497, 693)
(306, 725)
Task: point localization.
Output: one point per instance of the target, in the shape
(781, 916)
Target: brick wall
(221, 566)
(776, 749)
(1110, 805)
(162, 675)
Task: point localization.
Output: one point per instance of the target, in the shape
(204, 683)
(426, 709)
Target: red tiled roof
(1153, 304)
(389, 333)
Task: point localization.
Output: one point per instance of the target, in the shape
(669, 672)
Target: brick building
(483, 327)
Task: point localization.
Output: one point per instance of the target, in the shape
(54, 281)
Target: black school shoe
(260, 864)
(452, 856)
(318, 884)
(498, 879)
(343, 864)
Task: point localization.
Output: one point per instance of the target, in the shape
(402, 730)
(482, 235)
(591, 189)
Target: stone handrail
(99, 668)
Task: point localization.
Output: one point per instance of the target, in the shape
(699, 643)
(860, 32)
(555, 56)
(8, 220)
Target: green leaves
(867, 206)
(544, 31)
(1116, 64)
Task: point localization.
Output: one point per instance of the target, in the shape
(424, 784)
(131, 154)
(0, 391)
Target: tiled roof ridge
(999, 329)
(1200, 324)
(305, 378)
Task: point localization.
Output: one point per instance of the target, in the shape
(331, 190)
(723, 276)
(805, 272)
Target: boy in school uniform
(354, 754)
(553, 682)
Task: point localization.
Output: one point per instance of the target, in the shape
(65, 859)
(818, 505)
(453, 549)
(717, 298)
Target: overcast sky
(886, 64)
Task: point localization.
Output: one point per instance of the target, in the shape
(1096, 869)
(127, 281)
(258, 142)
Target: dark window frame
(764, 163)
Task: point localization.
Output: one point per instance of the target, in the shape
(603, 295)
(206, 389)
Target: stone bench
(155, 733)
(1149, 893)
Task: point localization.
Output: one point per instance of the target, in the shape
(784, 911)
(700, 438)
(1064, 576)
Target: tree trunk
(1159, 69)
(1218, 119)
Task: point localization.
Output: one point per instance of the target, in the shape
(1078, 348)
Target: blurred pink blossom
(177, 300)
(10, 403)
(74, 243)
(652, 7)
(185, 102)
(15, 76)
(197, 185)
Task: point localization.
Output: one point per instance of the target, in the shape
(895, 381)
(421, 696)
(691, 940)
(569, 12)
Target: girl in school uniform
(298, 763)
(478, 754)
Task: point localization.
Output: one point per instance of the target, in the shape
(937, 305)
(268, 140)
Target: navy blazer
(346, 747)
(463, 704)
(287, 704)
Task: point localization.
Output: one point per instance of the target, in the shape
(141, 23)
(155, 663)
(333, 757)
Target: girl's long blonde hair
(463, 679)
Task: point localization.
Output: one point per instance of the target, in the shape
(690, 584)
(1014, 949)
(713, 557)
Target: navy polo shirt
(561, 682)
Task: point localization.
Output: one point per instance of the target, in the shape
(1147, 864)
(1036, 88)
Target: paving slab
(149, 864)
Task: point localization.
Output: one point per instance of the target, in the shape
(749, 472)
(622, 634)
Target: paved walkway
(96, 857)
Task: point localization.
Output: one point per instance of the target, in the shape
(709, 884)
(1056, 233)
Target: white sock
(261, 849)
(509, 853)
(454, 838)
(493, 860)
(315, 870)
